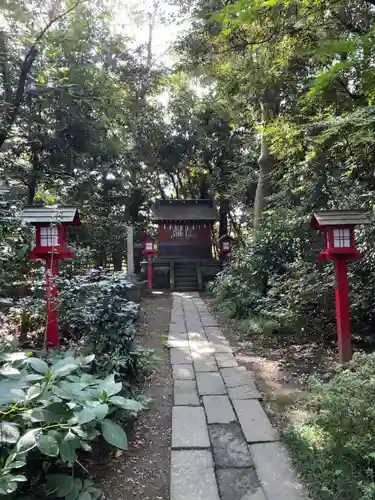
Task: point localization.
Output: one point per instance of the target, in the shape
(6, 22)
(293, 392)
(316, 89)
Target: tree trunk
(117, 260)
(266, 161)
(223, 224)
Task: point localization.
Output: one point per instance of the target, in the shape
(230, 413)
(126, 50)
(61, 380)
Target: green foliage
(51, 410)
(334, 444)
(95, 309)
(255, 281)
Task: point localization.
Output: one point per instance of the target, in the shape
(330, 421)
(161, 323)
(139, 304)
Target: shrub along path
(223, 445)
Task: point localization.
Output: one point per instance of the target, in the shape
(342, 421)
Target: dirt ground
(280, 366)
(142, 473)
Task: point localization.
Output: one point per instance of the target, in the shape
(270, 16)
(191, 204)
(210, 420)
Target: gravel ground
(142, 473)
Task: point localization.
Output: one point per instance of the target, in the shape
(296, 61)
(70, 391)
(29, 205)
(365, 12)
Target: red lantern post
(340, 246)
(149, 250)
(225, 247)
(51, 246)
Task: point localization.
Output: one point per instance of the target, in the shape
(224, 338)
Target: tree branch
(25, 69)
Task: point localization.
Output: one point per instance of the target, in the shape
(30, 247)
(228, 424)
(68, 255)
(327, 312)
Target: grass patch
(334, 445)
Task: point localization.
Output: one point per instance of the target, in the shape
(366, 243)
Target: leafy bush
(50, 410)
(257, 282)
(94, 311)
(94, 307)
(334, 446)
(274, 277)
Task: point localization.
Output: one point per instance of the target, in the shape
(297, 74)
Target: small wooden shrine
(184, 242)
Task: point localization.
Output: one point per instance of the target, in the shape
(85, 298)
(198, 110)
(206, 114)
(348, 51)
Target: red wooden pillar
(343, 310)
(52, 333)
(149, 273)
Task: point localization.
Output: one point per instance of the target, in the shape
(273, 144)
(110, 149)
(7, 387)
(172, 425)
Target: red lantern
(225, 247)
(51, 246)
(149, 247)
(149, 250)
(339, 246)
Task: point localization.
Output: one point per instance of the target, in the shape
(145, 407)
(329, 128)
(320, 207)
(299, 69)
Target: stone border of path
(223, 444)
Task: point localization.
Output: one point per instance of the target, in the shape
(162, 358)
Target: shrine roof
(184, 210)
(339, 218)
(48, 215)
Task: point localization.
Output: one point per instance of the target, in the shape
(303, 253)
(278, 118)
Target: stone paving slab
(236, 376)
(177, 317)
(193, 476)
(172, 341)
(217, 338)
(210, 383)
(213, 330)
(185, 393)
(229, 446)
(177, 327)
(244, 392)
(201, 346)
(218, 347)
(183, 372)
(202, 357)
(218, 410)
(225, 360)
(196, 334)
(276, 473)
(254, 421)
(208, 320)
(189, 428)
(206, 366)
(180, 355)
(178, 336)
(238, 484)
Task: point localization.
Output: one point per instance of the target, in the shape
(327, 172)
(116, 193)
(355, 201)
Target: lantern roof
(184, 210)
(338, 218)
(50, 215)
(226, 237)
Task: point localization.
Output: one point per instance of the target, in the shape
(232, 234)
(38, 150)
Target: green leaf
(114, 434)
(48, 445)
(64, 367)
(18, 464)
(126, 404)
(28, 441)
(9, 432)
(68, 448)
(32, 377)
(89, 359)
(110, 386)
(86, 415)
(77, 488)
(15, 356)
(101, 410)
(7, 371)
(84, 496)
(38, 365)
(20, 478)
(33, 392)
(60, 484)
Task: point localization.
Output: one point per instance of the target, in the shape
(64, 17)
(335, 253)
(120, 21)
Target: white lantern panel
(49, 236)
(149, 246)
(341, 238)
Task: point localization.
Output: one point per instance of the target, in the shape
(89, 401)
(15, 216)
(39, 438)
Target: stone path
(223, 445)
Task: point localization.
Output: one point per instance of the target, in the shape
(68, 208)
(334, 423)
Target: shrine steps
(185, 276)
